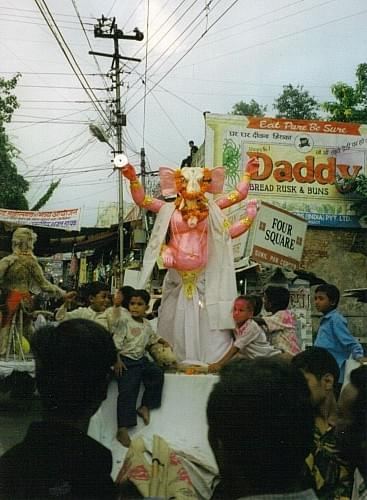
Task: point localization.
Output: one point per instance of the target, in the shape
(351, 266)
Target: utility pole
(142, 167)
(107, 28)
(143, 212)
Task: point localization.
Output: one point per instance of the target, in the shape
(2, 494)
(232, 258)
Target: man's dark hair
(126, 292)
(92, 289)
(352, 439)
(331, 291)
(358, 378)
(260, 425)
(96, 287)
(143, 294)
(73, 361)
(278, 297)
(317, 361)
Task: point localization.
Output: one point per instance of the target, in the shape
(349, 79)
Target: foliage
(13, 185)
(8, 101)
(350, 103)
(249, 109)
(360, 204)
(356, 185)
(296, 103)
(44, 199)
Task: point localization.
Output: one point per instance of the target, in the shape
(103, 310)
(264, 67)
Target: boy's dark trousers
(138, 371)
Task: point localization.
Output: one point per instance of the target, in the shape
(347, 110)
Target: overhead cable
(70, 58)
(187, 51)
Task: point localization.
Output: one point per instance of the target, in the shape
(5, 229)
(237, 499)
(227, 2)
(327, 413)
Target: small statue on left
(20, 277)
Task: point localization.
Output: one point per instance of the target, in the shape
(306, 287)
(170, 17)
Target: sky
(196, 56)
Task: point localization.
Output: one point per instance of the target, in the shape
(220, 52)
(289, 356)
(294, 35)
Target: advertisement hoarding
(300, 161)
(276, 237)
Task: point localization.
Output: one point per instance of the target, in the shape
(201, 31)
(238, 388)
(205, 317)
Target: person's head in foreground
(73, 364)
(352, 420)
(321, 372)
(260, 426)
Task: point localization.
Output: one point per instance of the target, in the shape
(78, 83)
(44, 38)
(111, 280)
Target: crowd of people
(279, 425)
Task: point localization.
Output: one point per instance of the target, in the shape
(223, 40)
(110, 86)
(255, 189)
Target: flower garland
(192, 204)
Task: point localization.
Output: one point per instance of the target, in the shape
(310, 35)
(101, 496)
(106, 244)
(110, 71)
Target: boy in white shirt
(120, 302)
(98, 301)
(133, 335)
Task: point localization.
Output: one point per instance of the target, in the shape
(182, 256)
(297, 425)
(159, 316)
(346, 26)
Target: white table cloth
(181, 421)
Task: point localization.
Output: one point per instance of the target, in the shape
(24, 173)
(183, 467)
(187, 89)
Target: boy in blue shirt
(333, 333)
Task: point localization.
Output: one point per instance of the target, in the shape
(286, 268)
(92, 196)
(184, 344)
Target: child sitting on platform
(281, 325)
(249, 338)
(133, 335)
(120, 304)
(97, 294)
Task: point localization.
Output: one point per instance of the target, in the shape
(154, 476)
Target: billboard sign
(300, 161)
(276, 237)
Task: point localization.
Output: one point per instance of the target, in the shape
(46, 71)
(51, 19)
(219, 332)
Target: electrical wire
(47, 165)
(153, 147)
(133, 12)
(91, 48)
(145, 72)
(51, 23)
(281, 37)
(170, 119)
(188, 50)
(35, 11)
(257, 17)
(272, 21)
(56, 87)
(63, 101)
(68, 172)
(49, 73)
(188, 30)
(55, 145)
(243, 82)
(168, 47)
(165, 23)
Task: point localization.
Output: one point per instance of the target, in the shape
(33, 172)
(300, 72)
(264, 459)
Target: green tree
(252, 108)
(296, 103)
(13, 185)
(358, 186)
(350, 104)
(44, 199)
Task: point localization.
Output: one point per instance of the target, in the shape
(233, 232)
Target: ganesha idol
(200, 284)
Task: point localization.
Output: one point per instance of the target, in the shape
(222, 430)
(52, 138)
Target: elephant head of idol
(190, 185)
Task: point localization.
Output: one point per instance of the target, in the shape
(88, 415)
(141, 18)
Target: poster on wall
(300, 163)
